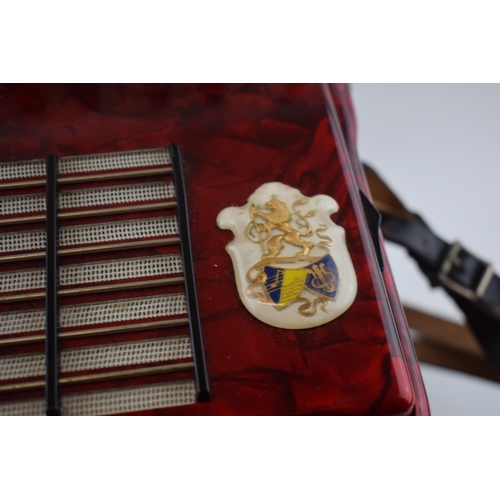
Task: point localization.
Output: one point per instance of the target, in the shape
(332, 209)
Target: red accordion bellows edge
(233, 139)
(343, 104)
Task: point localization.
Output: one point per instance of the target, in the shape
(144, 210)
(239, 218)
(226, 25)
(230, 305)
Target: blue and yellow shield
(284, 285)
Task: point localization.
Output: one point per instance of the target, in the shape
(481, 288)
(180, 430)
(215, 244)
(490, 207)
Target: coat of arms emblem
(291, 262)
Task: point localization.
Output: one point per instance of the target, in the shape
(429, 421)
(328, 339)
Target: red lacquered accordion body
(122, 291)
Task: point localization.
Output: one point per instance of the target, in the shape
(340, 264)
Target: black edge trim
(52, 400)
(373, 219)
(200, 367)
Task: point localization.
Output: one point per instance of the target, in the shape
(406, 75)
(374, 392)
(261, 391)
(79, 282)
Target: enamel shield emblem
(290, 260)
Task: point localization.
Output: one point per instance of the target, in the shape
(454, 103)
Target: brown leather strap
(450, 345)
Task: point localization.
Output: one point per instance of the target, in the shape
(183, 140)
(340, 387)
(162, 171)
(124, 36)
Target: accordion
(194, 250)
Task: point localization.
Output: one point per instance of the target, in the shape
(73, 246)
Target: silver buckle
(468, 293)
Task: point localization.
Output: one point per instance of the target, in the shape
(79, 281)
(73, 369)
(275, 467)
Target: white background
(438, 147)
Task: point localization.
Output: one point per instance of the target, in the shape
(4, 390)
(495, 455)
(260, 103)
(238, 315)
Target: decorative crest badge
(290, 260)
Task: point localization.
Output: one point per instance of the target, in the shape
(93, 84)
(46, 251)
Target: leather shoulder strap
(469, 280)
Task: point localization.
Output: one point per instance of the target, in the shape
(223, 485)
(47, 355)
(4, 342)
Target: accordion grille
(111, 402)
(123, 323)
(114, 195)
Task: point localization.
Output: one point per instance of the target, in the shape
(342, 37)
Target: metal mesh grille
(109, 312)
(101, 356)
(111, 402)
(80, 164)
(31, 279)
(113, 161)
(11, 205)
(142, 267)
(94, 272)
(116, 195)
(128, 400)
(98, 313)
(89, 234)
(30, 408)
(22, 169)
(17, 242)
(117, 231)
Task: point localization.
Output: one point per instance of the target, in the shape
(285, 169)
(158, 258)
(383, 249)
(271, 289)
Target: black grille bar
(52, 400)
(202, 385)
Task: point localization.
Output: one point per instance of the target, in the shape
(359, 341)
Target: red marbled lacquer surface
(235, 138)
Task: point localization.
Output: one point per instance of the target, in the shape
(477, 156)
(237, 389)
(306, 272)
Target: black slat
(52, 401)
(202, 385)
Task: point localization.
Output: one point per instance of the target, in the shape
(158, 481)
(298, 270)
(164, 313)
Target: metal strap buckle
(446, 280)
